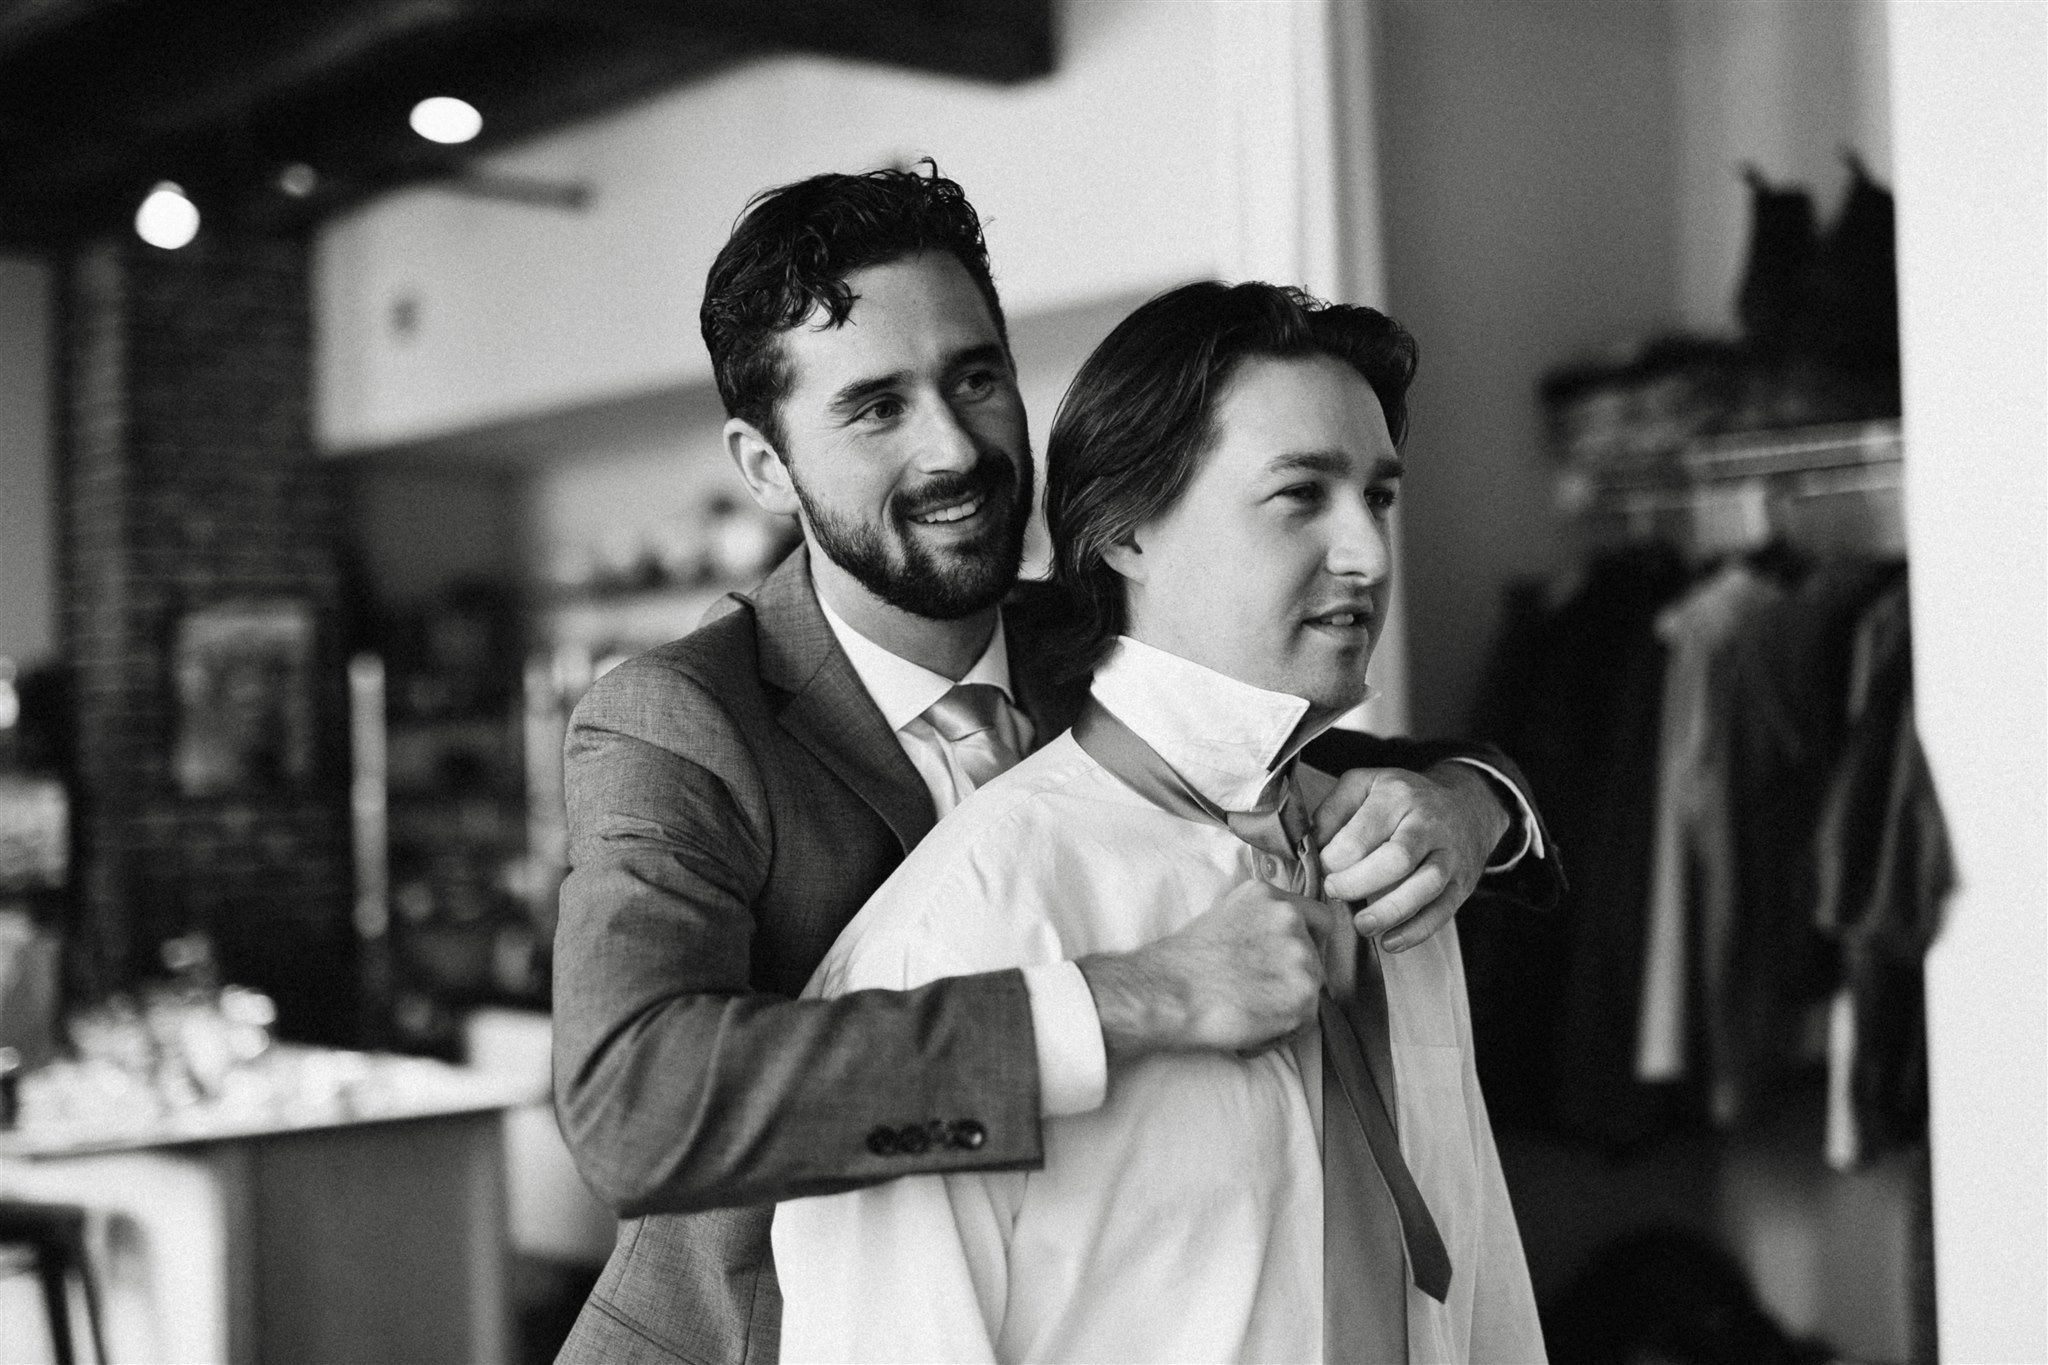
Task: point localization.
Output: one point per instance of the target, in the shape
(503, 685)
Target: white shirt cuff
(1532, 834)
(1073, 1068)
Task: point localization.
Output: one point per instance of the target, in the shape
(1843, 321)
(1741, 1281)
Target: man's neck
(948, 648)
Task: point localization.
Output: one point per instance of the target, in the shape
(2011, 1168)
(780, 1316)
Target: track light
(446, 119)
(167, 218)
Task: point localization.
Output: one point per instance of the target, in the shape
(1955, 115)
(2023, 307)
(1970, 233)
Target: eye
(886, 409)
(1303, 494)
(980, 383)
(1382, 498)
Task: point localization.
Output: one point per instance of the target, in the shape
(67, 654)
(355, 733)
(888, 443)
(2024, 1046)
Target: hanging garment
(1852, 321)
(1573, 696)
(1777, 279)
(1883, 870)
(1765, 971)
(1692, 866)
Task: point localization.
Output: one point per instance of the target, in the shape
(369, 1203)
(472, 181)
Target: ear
(761, 466)
(1127, 558)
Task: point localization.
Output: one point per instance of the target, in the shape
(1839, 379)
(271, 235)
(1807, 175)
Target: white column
(1969, 147)
(1297, 177)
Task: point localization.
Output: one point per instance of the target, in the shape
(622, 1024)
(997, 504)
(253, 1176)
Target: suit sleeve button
(968, 1135)
(882, 1142)
(913, 1140)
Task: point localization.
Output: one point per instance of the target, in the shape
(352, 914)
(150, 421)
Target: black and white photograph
(720, 682)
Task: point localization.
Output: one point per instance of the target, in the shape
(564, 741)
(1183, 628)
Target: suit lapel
(829, 712)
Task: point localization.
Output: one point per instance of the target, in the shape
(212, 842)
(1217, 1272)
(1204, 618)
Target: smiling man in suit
(734, 797)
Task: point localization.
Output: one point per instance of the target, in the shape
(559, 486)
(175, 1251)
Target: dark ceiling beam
(22, 22)
(998, 40)
(132, 123)
(100, 97)
(306, 56)
(356, 160)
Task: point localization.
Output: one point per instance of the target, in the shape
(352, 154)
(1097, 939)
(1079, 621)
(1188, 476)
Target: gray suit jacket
(734, 797)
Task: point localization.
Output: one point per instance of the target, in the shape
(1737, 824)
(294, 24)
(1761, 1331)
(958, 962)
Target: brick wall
(188, 483)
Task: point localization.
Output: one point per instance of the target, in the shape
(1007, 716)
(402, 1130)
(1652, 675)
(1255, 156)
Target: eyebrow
(857, 395)
(1330, 462)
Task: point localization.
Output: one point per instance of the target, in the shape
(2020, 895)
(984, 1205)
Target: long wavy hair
(1138, 417)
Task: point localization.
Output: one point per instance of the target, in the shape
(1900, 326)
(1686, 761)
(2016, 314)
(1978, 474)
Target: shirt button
(913, 1140)
(1269, 865)
(882, 1142)
(968, 1135)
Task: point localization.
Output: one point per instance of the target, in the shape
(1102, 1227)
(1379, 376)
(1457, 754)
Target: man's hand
(1410, 845)
(1240, 977)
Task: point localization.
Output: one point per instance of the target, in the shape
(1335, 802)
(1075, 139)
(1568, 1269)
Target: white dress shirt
(1182, 1219)
(1073, 1069)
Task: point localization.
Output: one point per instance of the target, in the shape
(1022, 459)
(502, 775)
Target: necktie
(1373, 1212)
(966, 718)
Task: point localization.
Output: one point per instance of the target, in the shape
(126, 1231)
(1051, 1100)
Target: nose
(944, 442)
(1361, 544)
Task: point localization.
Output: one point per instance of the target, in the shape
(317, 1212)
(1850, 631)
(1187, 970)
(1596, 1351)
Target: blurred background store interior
(314, 528)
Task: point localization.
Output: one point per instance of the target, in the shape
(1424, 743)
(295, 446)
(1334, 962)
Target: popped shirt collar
(1225, 737)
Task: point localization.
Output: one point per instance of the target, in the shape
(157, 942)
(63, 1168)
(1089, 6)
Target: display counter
(320, 1206)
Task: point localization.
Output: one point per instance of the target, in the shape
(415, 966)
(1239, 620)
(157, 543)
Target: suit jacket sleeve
(680, 1085)
(1536, 882)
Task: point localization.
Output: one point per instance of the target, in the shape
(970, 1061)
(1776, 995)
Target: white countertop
(82, 1108)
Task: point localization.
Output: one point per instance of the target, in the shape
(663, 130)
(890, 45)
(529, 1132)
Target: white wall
(1099, 180)
(1970, 143)
(28, 589)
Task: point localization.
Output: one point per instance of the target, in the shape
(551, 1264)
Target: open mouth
(952, 511)
(1351, 618)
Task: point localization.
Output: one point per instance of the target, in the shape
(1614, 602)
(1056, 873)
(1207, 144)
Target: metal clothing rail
(1836, 487)
(1781, 454)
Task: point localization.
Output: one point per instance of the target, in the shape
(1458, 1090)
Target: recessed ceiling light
(446, 119)
(167, 218)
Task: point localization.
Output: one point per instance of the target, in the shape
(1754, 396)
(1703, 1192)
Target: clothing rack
(1831, 489)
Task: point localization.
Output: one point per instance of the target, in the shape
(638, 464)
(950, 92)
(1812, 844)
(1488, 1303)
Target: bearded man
(735, 796)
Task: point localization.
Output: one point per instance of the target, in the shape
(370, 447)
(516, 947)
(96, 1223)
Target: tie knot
(1276, 825)
(967, 710)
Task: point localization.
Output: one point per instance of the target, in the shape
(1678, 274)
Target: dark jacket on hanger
(1784, 724)
(1883, 871)
(1573, 697)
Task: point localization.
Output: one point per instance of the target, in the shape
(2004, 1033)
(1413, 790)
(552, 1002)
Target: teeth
(1342, 618)
(959, 511)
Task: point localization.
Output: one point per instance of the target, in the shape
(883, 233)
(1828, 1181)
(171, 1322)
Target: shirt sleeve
(1073, 1068)
(1531, 843)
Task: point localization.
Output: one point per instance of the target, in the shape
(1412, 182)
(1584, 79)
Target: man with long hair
(1221, 478)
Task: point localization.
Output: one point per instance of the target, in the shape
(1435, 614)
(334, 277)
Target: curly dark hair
(1136, 420)
(790, 253)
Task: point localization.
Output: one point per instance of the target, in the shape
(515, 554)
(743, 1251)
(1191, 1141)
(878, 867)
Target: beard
(945, 583)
